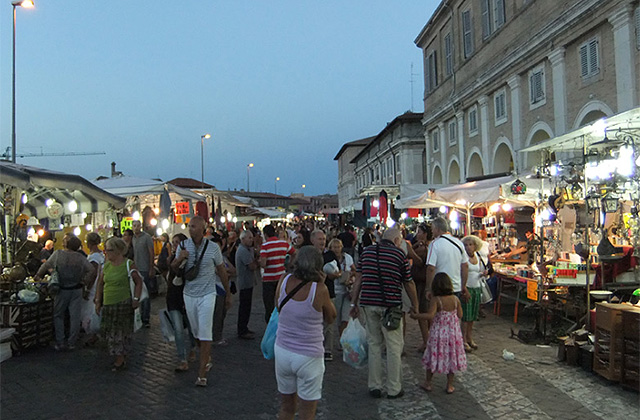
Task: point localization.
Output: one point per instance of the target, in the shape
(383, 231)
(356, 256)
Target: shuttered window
(453, 132)
(500, 107)
(589, 58)
(435, 140)
(432, 72)
(467, 31)
(536, 86)
(638, 27)
(448, 54)
(498, 13)
(473, 120)
(486, 19)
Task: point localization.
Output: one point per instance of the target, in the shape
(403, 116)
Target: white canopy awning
(482, 191)
(126, 186)
(591, 134)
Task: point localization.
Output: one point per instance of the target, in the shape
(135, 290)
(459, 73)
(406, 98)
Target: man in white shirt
(447, 255)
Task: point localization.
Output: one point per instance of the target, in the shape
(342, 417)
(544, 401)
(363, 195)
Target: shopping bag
(166, 326)
(269, 339)
(486, 296)
(94, 323)
(137, 320)
(354, 344)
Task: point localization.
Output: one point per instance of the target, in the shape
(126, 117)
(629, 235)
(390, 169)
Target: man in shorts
(200, 293)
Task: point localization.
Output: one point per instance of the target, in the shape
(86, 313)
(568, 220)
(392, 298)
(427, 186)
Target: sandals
(467, 348)
(201, 382)
(209, 365)
(450, 390)
(425, 387)
(473, 345)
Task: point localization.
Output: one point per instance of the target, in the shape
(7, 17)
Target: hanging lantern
(593, 201)
(610, 203)
(518, 187)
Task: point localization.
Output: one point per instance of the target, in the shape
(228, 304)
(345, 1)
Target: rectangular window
(500, 107)
(383, 173)
(448, 54)
(467, 31)
(432, 72)
(536, 85)
(398, 173)
(435, 140)
(390, 169)
(473, 120)
(453, 132)
(589, 58)
(486, 19)
(498, 13)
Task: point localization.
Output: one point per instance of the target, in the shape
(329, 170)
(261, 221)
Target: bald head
(392, 235)
(196, 228)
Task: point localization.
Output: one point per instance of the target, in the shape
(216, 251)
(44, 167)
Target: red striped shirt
(394, 269)
(275, 251)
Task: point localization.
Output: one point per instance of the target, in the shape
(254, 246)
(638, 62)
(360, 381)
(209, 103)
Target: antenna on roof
(411, 83)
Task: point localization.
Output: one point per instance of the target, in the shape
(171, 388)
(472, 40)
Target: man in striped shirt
(383, 264)
(272, 256)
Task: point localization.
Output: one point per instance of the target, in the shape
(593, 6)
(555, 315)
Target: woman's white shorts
(298, 374)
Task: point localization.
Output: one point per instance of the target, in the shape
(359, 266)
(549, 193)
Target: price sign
(126, 223)
(532, 290)
(182, 207)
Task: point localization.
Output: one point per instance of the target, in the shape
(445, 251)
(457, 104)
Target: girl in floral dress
(445, 346)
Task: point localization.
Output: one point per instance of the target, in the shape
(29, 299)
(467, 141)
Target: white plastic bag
(354, 344)
(137, 320)
(166, 326)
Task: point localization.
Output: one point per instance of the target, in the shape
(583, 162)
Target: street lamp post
(249, 166)
(275, 185)
(204, 136)
(27, 4)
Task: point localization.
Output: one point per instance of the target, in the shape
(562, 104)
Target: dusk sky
(282, 84)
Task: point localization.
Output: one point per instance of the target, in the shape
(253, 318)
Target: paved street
(43, 384)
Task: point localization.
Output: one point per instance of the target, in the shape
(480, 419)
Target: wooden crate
(607, 360)
(630, 368)
(33, 323)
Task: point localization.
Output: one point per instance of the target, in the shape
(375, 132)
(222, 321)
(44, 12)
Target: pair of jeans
(145, 305)
(244, 310)
(377, 336)
(268, 298)
(71, 300)
(178, 321)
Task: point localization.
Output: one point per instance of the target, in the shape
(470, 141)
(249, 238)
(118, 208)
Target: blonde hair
(335, 241)
(473, 240)
(118, 245)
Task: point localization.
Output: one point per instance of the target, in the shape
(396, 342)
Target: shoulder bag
(486, 295)
(392, 317)
(267, 345)
(54, 281)
(193, 271)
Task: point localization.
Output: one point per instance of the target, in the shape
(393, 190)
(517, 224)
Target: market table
(519, 283)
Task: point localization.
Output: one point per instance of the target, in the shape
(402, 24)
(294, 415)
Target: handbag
(193, 271)
(486, 295)
(137, 314)
(166, 326)
(267, 345)
(392, 317)
(54, 282)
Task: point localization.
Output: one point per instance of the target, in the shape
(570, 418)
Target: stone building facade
(501, 75)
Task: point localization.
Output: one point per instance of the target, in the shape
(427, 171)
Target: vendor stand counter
(33, 323)
(508, 282)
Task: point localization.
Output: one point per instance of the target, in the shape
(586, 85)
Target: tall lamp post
(249, 166)
(275, 185)
(205, 136)
(27, 4)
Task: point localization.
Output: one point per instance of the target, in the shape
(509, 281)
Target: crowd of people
(318, 277)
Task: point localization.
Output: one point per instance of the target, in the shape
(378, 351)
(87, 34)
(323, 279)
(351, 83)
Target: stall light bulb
(183, 226)
(61, 226)
(229, 215)
(545, 214)
(156, 211)
(403, 216)
(495, 208)
(455, 225)
(624, 166)
(165, 224)
(444, 209)
(84, 215)
(41, 232)
(49, 202)
(72, 206)
(89, 227)
(235, 219)
(159, 231)
(25, 198)
(376, 203)
(507, 207)
(76, 231)
(222, 219)
(553, 170)
(31, 232)
(390, 222)
(136, 215)
(154, 222)
(290, 216)
(211, 220)
(454, 216)
(110, 223)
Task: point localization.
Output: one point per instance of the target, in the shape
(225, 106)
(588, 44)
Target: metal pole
(248, 179)
(13, 104)
(202, 161)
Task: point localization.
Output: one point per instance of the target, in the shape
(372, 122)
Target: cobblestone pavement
(43, 384)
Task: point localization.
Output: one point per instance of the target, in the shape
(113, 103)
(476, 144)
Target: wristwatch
(137, 299)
